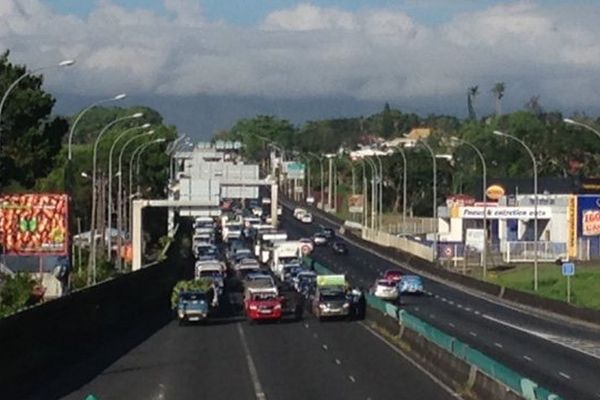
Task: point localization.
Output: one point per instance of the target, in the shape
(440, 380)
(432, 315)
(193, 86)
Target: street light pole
(65, 63)
(404, 178)
(380, 190)
(535, 203)
(140, 149)
(81, 114)
(92, 259)
(435, 234)
(484, 199)
(373, 191)
(110, 202)
(582, 125)
(322, 177)
(120, 224)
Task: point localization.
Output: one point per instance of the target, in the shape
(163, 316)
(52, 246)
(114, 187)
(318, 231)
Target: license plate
(265, 311)
(194, 318)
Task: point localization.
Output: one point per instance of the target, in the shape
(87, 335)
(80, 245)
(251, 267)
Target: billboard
(34, 224)
(355, 203)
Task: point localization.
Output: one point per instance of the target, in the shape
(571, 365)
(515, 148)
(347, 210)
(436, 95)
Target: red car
(262, 305)
(394, 275)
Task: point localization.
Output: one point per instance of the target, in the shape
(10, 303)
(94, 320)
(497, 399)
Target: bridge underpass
(154, 358)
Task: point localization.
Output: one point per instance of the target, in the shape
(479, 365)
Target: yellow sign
(572, 227)
(494, 192)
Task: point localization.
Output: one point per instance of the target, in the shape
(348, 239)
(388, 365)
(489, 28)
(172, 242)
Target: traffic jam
(244, 267)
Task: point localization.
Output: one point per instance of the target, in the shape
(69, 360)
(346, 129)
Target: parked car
(339, 247)
(386, 289)
(412, 284)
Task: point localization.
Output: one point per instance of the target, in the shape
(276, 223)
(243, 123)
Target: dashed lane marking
(528, 358)
(452, 325)
(324, 347)
(473, 334)
(564, 375)
(258, 391)
(338, 362)
(498, 345)
(351, 378)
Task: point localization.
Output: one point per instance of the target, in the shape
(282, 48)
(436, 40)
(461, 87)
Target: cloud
(310, 51)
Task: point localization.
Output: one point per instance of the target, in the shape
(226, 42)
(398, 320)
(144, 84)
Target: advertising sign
(356, 203)
(34, 224)
(494, 192)
(475, 238)
(590, 221)
(331, 280)
(572, 227)
(528, 212)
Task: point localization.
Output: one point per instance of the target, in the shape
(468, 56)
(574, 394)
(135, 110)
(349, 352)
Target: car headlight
(322, 305)
(346, 305)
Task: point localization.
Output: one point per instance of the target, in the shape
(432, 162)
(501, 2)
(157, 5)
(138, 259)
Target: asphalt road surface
(559, 356)
(230, 359)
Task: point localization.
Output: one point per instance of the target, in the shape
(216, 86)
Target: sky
(219, 60)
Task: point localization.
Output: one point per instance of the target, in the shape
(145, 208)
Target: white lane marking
(338, 362)
(324, 347)
(564, 375)
(306, 326)
(459, 305)
(415, 364)
(477, 312)
(528, 358)
(469, 309)
(315, 335)
(351, 378)
(258, 391)
(498, 345)
(452, 325)
(473, 334)
(416, 308)
(444, 299)
(431, 316)
(450, 302)
(539, 335)
(437, 296)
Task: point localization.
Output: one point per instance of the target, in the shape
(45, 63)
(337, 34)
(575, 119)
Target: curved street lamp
(110, 202)
(92, 260)
(140, 149)
(65, 63)
(318, 157)
(400, 150)
(434, 205)
(582, 125)
(535, 203)
(483, 198)
(120, 224)
(81, 114)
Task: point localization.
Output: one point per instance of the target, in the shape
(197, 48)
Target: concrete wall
(48, 338)
(410, 246)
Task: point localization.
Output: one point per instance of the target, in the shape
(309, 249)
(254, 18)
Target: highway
(231, 359)
(526, 343)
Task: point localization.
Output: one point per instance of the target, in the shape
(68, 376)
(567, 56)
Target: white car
(307, 218)
(299, 212)
(385, 289)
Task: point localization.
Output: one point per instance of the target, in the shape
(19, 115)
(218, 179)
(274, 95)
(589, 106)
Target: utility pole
(329, 183)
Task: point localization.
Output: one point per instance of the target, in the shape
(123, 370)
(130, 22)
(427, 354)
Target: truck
(261, 302)
(330, 298)
(284, 252)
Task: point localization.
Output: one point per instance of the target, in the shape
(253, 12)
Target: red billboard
(34, 224)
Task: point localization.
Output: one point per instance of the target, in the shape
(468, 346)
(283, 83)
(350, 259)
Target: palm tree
(498, 91)
(472, 92)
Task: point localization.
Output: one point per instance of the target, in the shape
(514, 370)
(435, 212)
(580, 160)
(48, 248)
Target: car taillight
(277, 307)
(253, 307)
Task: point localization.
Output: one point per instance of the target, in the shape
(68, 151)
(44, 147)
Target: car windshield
(193, 296)
(412, 278)
(264, 297)
(386, 283)
(210, 274)
(332, 296)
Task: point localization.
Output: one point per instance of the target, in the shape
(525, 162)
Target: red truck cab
(262, 304)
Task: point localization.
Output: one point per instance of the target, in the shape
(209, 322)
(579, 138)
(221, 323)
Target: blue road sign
(568, 269)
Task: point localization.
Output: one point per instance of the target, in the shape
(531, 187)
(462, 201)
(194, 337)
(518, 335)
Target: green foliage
(15, 293)
(201, 285)
(30, 138)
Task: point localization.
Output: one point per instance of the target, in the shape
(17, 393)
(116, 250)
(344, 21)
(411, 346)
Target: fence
(520, 384)
(411, 226)
(525, 251)
(410, 246)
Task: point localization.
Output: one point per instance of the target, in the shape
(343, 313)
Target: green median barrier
(495, 369)
(376, 303)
